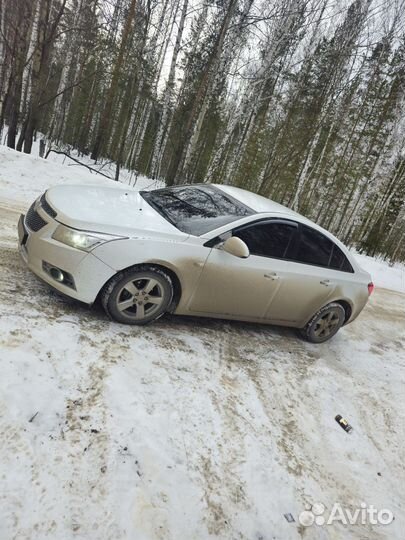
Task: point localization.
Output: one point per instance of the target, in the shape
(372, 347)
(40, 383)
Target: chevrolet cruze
(201, 250)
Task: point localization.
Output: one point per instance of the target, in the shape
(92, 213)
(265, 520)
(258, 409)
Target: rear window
(198, 209)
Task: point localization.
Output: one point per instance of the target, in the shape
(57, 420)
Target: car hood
(111, 210)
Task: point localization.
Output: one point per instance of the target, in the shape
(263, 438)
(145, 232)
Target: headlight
(80, 239)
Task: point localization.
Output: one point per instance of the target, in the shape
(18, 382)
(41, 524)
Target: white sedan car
(202, 250)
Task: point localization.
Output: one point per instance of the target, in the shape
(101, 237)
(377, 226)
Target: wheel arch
(347, 307)
(177, 288)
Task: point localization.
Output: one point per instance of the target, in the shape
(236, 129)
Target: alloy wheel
(326, 325)
(140, 298)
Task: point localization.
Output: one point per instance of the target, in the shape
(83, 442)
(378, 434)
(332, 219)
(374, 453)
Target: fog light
(57, 274)
(61, 276)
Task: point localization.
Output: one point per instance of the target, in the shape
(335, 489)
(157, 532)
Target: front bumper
(36, 247)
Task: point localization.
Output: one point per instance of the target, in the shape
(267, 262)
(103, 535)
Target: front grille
(33, 220)
(47, 207)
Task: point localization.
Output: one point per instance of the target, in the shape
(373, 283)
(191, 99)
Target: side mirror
(237, 247)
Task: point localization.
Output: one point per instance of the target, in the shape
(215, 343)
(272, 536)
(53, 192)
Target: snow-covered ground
(188, 428)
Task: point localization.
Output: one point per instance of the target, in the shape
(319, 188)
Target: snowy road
(190, 428)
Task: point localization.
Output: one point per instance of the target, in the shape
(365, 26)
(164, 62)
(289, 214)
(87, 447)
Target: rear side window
(339, 260)
(267, 239)
(315, 248)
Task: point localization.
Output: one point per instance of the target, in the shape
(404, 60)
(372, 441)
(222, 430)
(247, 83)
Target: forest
(301, 101)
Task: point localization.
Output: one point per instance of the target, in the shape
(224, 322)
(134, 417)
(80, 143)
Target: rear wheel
(324, 324)
(137, 296)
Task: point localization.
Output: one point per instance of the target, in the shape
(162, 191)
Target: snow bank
(23, 177)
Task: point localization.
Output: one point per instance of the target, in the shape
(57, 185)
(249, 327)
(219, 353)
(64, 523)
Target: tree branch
(91, 169)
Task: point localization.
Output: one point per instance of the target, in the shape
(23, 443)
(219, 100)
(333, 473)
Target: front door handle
(272, 276)
(326, 282)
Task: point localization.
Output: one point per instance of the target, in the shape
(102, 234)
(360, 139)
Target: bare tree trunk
(46, 33)
(12, 101)
(207, 79)
(105, 120)
(167, 99)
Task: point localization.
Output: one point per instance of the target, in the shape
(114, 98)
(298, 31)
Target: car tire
(138, 295)
(324, 324)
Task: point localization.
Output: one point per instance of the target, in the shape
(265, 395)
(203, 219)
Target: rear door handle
(272, 276)
(326, 282)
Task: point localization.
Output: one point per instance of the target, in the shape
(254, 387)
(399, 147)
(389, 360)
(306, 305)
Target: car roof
(256, 202)
(262, 205)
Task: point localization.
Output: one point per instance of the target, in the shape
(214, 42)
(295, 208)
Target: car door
(231, 286)
(306, 279)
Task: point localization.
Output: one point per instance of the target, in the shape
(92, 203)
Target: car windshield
(196, 209)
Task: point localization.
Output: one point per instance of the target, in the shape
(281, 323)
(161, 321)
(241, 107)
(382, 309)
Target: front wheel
(324, 324)
(138, 295)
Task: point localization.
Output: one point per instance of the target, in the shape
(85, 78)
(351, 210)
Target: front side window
(196, 210)
(267, 239)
